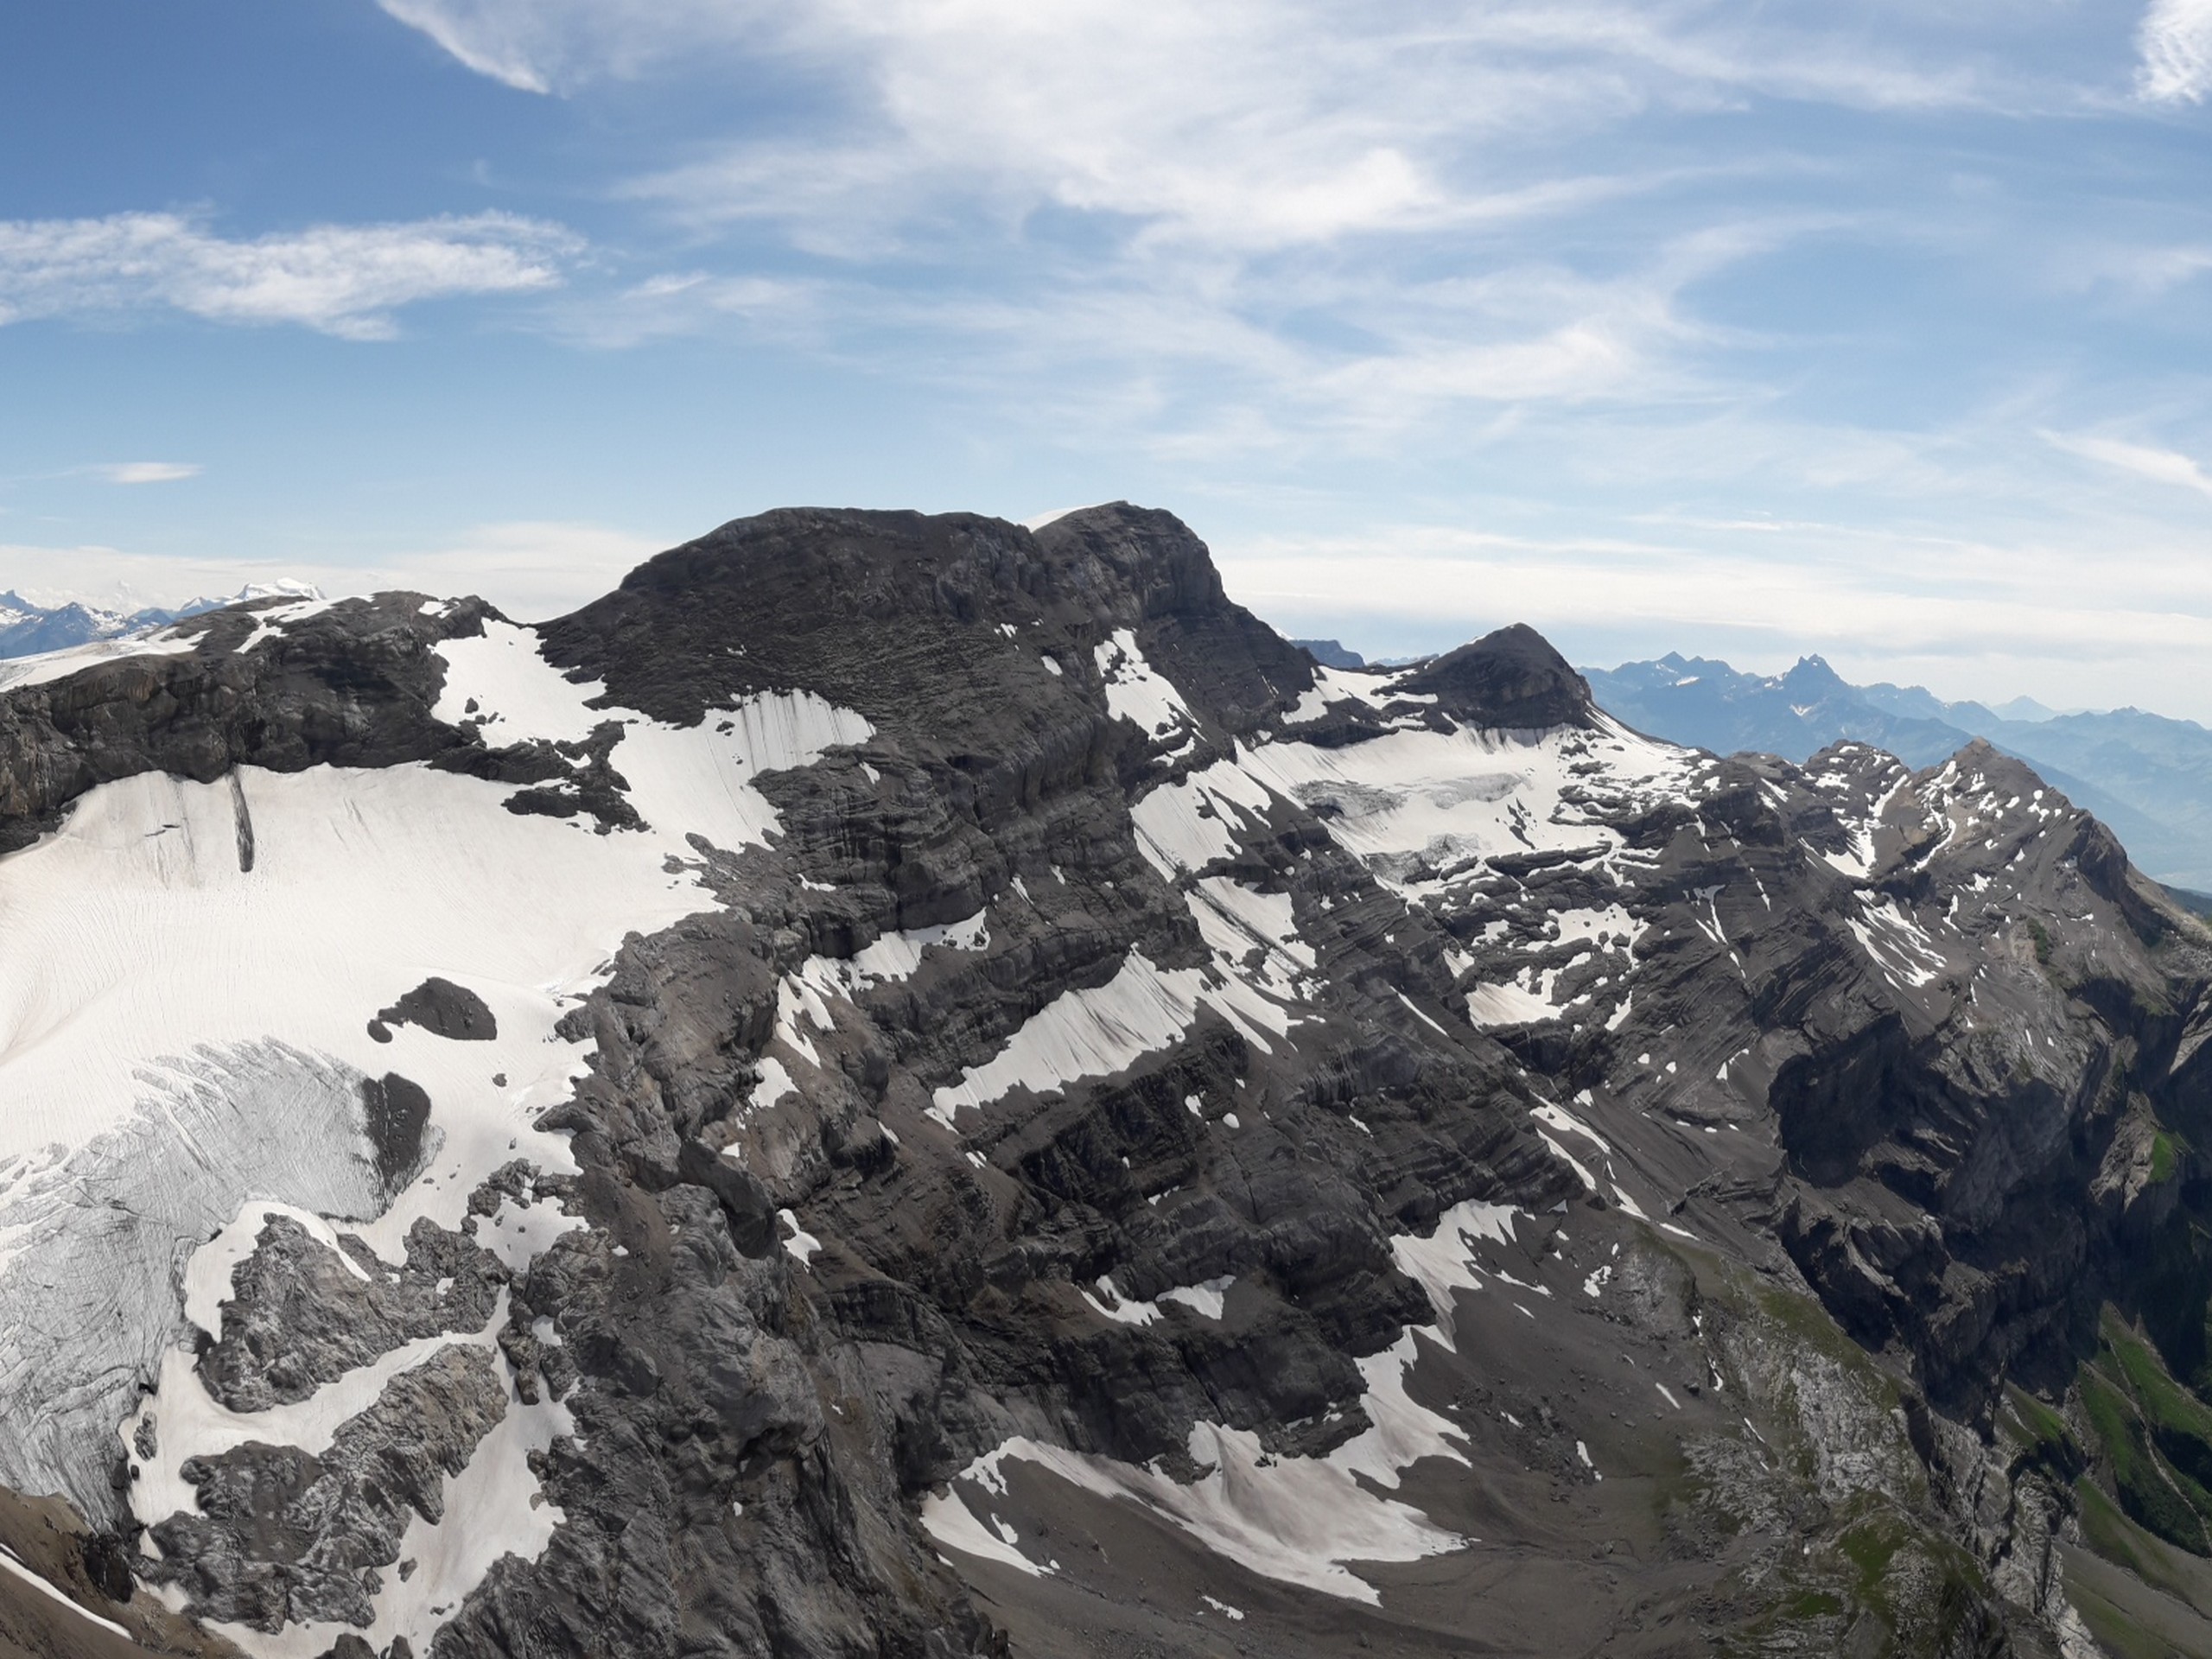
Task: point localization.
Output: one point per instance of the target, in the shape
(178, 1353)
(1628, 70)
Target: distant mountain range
(27, 629)
(2147, 776)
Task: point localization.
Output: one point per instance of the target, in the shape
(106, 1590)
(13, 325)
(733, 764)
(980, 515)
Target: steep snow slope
(189, 1032)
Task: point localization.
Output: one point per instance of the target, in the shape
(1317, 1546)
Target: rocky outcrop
(282, 1536)
(1511, 680)
(299, 1317)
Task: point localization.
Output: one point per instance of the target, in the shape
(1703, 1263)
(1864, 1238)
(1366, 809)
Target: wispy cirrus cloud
(1251, 124)
(347, 280)
(2144, 460)
(1259, 217)
(549, 46)
(145, 471)
(2176, 39)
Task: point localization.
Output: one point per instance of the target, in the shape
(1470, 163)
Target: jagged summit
(952, 622)
(1812, 678)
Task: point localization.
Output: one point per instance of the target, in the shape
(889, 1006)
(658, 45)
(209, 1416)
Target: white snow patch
(1187, 825)
(1457, 797)
(1563, 1120)
(1417, 1013)
(1206, 1298)
(775, 1083)
(1402, 1433)
(1569, 1159)
(278, 619)
(1094, 1033)
(1443, 1263)
(799, 1244)
(1895, 943)
(1265, 916)
(1119, 1309)
(953, 1524)
(1510, 1004)
(891, 957)
(1298, 1521)
(1135, 692)
(519, 1233)
(519, 697)
(50, 665)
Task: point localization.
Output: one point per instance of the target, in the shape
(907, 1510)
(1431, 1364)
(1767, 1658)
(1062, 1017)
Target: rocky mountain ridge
(899, 1084)
(2147, 776)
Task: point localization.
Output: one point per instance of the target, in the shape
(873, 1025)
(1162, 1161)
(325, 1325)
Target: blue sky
(1874, 329)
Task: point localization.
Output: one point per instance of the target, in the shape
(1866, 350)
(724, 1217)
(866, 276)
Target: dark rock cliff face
(351, 687)
(946, 1287)
(1510, 680)
(1155, 1150)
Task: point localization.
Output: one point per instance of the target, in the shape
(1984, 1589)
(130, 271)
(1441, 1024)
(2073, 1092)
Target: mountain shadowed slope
(903, 1085)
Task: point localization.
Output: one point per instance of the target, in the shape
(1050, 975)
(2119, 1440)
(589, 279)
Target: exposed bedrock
(298, 1318)
(439, 1006)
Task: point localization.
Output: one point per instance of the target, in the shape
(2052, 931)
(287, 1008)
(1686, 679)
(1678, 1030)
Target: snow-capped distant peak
(29, 628)
(282, 588)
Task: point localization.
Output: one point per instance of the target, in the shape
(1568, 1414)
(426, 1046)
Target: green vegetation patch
(2149, 1494)
(2156, 1438)
(2107, 1531)
(2165, 1158)
(1871, 1546)
(2045, 1438)
(2116, 1631)
(2041, 934)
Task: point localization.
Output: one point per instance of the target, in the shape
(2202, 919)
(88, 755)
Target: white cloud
(340, 279)
(545, 46)
(690, 303)
(2162, 466)
(2176, 46)
(1231, 225)
(1241, 124)
(531, 569)
(1994, 619)
(145, 472)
